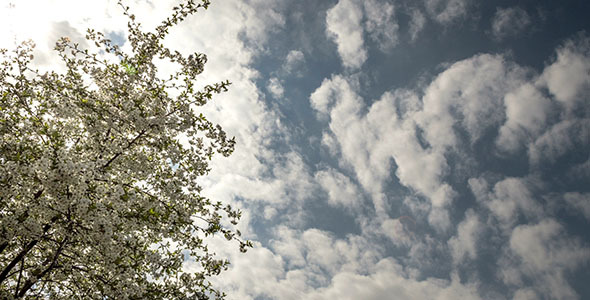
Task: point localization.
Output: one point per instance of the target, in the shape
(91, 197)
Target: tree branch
(3, 246)
(31, 281)
(18, 258)
(26, 249)
(20, 275)
(126, 148)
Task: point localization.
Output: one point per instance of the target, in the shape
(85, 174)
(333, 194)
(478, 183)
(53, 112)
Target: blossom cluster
(99, 168)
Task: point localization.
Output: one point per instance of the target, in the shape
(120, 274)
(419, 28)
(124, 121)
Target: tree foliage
(98, 171)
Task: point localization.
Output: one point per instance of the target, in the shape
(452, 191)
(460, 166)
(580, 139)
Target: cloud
(509, 198)
(527, 111)
(417, 23)
(447, 11)
(343, 25)
(388, 279)
(580, 202)
(275, 88)
(399, 233)
(371, 143)
(525, 294)
(543, 252)
(53, 22)
(509, 22)
(341, 190)
(380, 23)
(324, 254)
(295, 59)
(468, 93)
(559, 140)
(568, 77)
(530, 112)
(312, 264)
(407, 136)
(259, 18)
(464, 243)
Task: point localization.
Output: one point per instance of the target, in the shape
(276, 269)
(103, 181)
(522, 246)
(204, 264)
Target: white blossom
(90, 205)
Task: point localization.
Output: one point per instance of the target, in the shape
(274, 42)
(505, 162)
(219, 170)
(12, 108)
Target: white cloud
(258, 17)
(558, 140)
(312, 264)
(509, 21)
(527, 111)
(275, 87)
(389, 280)
(469, 92)
(568, 78)
(580, 202)
(341, 190)
(370, 143)
(343, 25)
(509, 197)
(322, 255)
(380, 23)
(525, 294)
(399, 233)
(447, 11)
(293, 62)
(465, 242)
(545, 252)
(417, 23)
(325, 96)
(53, 21)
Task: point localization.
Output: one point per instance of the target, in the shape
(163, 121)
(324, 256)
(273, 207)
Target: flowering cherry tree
(98, 171)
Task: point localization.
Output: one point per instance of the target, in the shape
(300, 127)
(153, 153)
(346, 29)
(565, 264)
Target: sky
(426, 149)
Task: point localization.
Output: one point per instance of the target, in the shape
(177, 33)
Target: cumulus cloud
(312, 264)
(408, 136)
(399, 233)
(531, 114)
(468, 93)
(371, 142)
(544, 252)
(380, 23)
(343, 24)
(527, 111)
(509, 198)
(464, 244)
(568, 77)
(558, 140)
(389, 279)
(509, 22)
(341, 190)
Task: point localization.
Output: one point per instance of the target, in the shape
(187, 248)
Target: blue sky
(432, 149)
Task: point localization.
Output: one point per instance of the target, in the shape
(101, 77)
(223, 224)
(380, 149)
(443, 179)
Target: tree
(98, 170)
